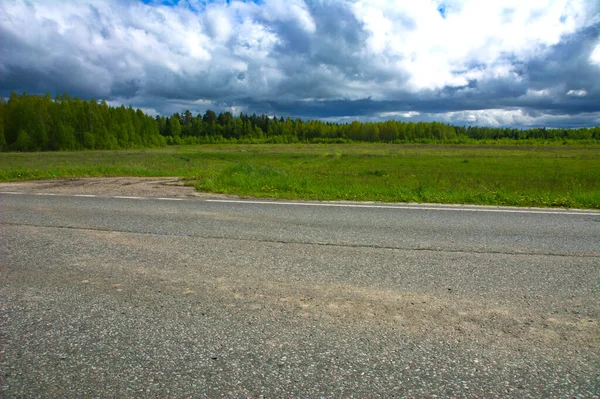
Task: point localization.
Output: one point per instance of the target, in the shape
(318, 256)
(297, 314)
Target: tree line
(41, 123)
(210, 127)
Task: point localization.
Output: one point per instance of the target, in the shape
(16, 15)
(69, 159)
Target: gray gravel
(107, 297)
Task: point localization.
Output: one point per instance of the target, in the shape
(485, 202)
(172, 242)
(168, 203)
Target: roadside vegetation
(275, 157)
(36, 123)
(540, 175)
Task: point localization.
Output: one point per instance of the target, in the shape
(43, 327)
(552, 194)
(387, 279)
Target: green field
(562, 176)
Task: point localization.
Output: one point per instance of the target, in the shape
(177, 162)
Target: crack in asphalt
(325, 244)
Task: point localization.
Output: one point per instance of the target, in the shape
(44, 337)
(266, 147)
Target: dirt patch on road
(129, 186)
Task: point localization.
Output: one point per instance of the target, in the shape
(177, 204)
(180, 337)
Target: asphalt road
(124, 297)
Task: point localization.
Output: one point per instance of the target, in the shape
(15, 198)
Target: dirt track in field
(133, 186)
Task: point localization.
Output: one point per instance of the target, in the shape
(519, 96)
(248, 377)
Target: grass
(524, 176)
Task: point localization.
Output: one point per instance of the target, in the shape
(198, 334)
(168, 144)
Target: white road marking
(440, 207)
(422, 208)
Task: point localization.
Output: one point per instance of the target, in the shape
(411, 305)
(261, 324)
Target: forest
(42, 123)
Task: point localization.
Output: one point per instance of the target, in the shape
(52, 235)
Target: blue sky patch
(442, 10)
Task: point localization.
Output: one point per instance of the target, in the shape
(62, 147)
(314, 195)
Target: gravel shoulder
(133, 186)
(164, 187)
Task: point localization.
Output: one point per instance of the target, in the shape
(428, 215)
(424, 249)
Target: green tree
(89, 141)
(174, 127)
(65, 137)
(23, 142)
(209, 117)
(161, 124)
(197, 127)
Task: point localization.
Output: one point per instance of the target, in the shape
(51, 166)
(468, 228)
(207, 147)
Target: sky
(500, 63)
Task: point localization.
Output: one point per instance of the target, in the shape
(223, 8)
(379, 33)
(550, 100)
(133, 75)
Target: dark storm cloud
(568, 64)
(337, 60)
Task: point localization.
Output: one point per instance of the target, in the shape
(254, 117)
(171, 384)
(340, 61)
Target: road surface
(188, 297)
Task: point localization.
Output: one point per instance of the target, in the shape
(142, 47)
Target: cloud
(393, 114)
(595, 56)
(498, 62)
(577, 93)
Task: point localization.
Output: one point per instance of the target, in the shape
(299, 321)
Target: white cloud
(487, 117)
(476, 39)
(408, 114)
(294, 11)
(577, 93)
(538, 93)
(490, 117)
(218, 22)
(595, 56)
(509, 117)
(254, 41)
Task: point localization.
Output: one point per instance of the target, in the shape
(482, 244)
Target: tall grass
(524, 176)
